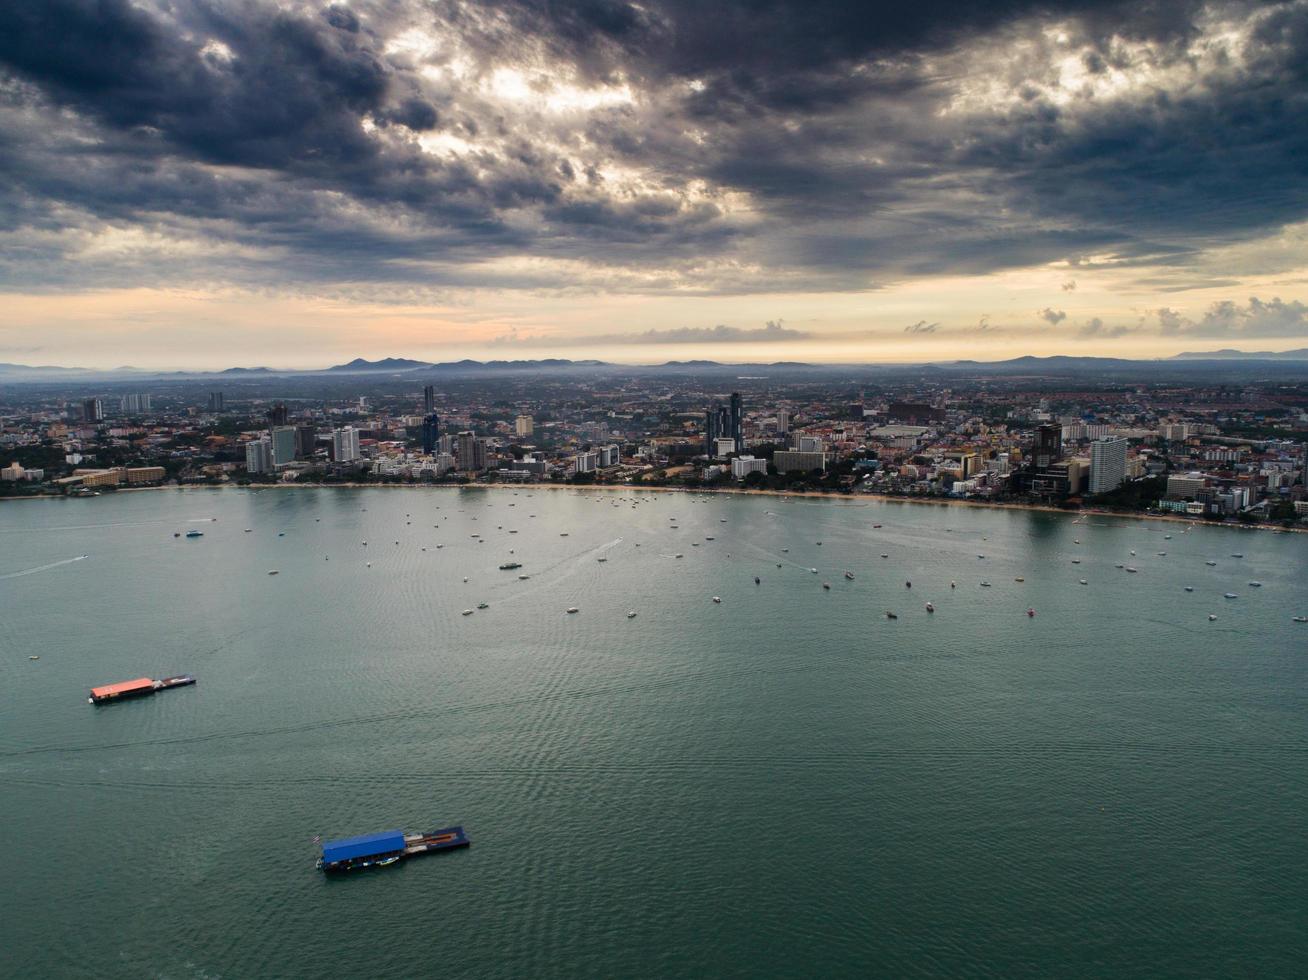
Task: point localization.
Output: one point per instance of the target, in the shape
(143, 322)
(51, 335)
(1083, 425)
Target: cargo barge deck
(137, 688)
(387, 848)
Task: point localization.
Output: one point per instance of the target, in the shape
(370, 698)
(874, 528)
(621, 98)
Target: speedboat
(1237, 555)
(1229, 595)
(1256, 585)
(1210, 563)
(1083, 581)
(272, 571)
(850, 576)
(813, 570)
(985, 585)
(467, 612)
(631, 615)
(1189, 588)
(1211, 617)
(930, 608)
(194, 534)
(1076, 561)
(717, 599)
(1019, 579)
(1132, 569)
(572, 609)
(482, 605)
(1300, 619)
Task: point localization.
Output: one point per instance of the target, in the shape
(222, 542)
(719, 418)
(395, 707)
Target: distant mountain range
(1192, 361)
(1229, 354)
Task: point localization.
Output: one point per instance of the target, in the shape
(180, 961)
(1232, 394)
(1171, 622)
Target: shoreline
(730, 491)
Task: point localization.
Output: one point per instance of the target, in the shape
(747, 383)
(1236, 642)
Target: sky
(208, 183)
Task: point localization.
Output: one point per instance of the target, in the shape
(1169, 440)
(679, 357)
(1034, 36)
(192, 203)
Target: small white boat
(272, 571)
(1237, 555)
(631, 615)
(482, 605)
(1211, 617)
(1210, 563)
(1230, 595)
(573, 609)
(930, 607)
(985, 585)
(678, 555)
(1133, 553)
(717, 599)
(1076, 561)
(813, 570)
(467, 612)
(1300, 619)
(1189, 588)
(369, 564)
(884, 555)
(1131, 569)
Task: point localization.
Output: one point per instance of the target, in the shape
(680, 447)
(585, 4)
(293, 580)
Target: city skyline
(306, 183)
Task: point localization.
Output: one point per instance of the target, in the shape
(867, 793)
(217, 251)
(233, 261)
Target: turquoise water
(784, 784)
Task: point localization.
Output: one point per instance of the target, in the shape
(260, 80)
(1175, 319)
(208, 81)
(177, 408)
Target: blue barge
(386, 848)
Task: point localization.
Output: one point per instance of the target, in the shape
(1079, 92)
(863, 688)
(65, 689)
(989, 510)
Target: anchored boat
(137, 688)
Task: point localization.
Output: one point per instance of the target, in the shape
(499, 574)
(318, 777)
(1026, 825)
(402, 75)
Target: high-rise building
(742, 466)
(790, 461)
(431, 432)
(278, 415)
(258, 455)
(429, 399)
(134, 404)
(306, 441)
(737, 420)
(609, 456)
(524, 426)
(717, 425)
(471, 452)
(1048, 446)
(283, 445)
(1107, 464)
(215, 401)
(345, 444)
(783, 421)
(93, 410)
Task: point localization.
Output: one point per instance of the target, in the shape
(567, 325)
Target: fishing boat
(826, 585)
(1030, 613)
(510, 565)
(1237, 555)
(850, 576)
(194, 534)
(482, 605)
(1019, 579)
(908, 585)
(272, 571)
(890, 615)
(1256, 585)
(757, 579)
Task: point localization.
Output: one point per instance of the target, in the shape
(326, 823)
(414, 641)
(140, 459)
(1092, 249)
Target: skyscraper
(783, 421)
(1107, 464)
(345, 444)
(277, 415)
(471, 452)
(306, 441)
(717, 425)
(1048, 446)
(283, 445)
(429, 399)
(215, 401)
(524, 426)
(737, 420)
(93, 410)
(431, 432)
(258, 456)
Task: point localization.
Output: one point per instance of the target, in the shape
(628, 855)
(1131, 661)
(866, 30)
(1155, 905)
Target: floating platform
(137, 688)
(386, 848)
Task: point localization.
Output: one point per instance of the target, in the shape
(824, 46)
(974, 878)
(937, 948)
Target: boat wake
(42, 568)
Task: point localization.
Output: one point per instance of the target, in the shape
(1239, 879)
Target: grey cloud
(1095, 327)
(1052, 316)
(921, 327)
(819, 147)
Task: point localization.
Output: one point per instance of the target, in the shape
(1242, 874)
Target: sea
(1044, 777)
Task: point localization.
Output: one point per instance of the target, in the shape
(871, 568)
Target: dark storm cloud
(764, 145)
